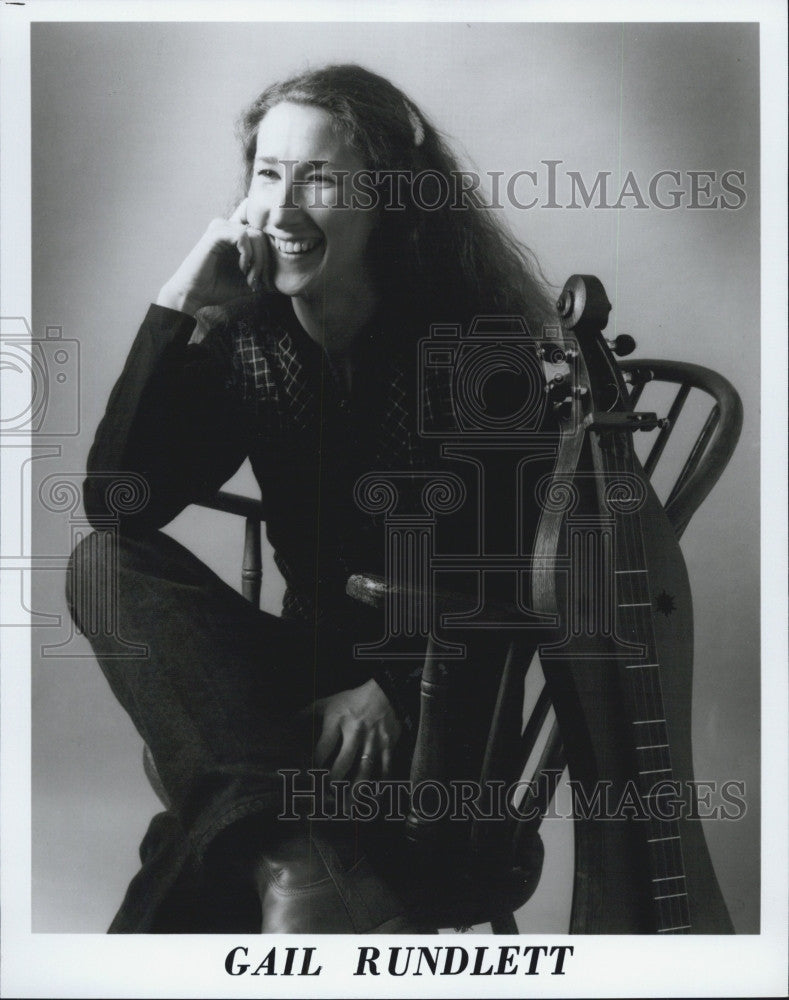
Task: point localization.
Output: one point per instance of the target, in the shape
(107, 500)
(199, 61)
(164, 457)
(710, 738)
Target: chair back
(713, 447)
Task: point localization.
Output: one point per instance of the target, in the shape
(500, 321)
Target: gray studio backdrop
(133, 153)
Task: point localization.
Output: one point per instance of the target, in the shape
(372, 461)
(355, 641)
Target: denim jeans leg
(215, 694)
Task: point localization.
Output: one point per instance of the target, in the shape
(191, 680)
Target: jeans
(214, 699)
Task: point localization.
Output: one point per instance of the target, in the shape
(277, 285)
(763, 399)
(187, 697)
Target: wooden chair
(508, 739)
(499, 877)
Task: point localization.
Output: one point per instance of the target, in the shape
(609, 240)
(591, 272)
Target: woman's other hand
(361, 728)
(230, 259)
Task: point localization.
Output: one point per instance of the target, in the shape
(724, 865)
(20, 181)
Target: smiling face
(297, 197)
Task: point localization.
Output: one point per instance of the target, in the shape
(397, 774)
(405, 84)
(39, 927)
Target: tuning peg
(565, 303)
(622, 345)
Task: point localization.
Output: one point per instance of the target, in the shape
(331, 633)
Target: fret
(642, 690)
(655, 747)
(658, 763)
(655, 739)
(665, 850)
(671, 901)
(661, 831)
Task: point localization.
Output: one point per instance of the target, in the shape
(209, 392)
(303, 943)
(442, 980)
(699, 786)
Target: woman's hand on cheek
(231, 259)
(361, 728)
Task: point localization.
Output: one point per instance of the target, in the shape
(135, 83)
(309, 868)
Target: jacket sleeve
(173, 430)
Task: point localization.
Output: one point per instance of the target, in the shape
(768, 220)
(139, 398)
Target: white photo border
(66, 965)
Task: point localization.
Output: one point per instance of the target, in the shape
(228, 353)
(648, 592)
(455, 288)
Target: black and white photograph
(394, 453)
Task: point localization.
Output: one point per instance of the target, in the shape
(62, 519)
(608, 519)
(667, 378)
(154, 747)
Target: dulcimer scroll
(619, 668)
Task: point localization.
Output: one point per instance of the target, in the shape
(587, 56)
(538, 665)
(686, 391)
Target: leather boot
(317, 881)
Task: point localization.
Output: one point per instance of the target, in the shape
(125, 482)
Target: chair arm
(375, 591)
(234, 503)
(368, 589)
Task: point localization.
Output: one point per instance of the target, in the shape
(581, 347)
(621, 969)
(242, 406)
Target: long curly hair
(443, 264)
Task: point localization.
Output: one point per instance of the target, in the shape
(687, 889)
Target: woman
(311, 298)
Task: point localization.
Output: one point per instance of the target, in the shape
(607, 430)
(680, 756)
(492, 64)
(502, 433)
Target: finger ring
(366, 756)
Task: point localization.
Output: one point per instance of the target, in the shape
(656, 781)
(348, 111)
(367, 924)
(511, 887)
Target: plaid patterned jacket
(313, 439)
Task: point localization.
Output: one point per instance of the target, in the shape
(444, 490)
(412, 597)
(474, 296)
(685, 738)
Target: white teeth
(294, 246)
